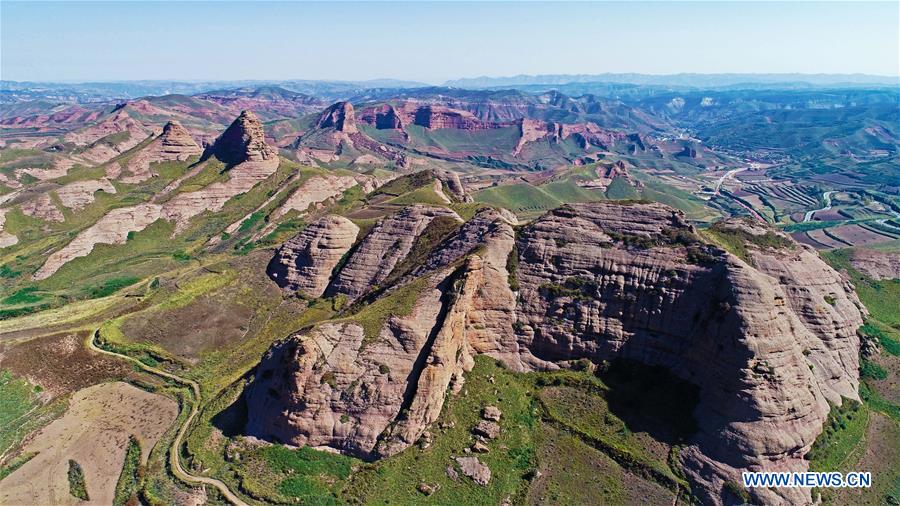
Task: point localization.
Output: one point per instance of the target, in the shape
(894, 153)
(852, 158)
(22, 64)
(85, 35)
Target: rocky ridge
(304, 263)
(257, 161)
(760, 338)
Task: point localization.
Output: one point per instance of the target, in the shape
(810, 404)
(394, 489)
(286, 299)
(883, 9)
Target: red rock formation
(434, 117)
(340, 117)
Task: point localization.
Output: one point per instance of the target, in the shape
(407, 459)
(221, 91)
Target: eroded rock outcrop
(173, 144)
(81, 193)
(340, 117)
(42, 208)
(304, 263)
(383, 248)
(244, 141)
(253, 164)
(768, 339)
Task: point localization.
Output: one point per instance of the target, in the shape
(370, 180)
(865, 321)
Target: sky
(435, 41)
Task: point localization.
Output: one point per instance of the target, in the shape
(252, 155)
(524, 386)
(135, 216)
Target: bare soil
(94, 432)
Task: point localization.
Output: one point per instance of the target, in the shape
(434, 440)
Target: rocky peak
(340, 117)
(385, 246)
(244, 141)
(176, 139)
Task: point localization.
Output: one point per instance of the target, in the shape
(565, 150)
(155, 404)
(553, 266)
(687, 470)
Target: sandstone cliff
(173, 144)
(767, 338)
(340, 117)
(304, 263)
(383, 248)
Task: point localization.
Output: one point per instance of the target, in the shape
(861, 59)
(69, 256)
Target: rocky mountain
(243, 141)
(767, 338)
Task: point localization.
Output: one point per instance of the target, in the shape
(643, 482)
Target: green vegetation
(736, 240)
(400, 302)
(881, 297)
(621, 189)
(109, 287)
(871, 370)
(512, 266)
(129, 478)
(24, 296)
(77, 486)
(21, 410)
(15, 463)
(841, 435)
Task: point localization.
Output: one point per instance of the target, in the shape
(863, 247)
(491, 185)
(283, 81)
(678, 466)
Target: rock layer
(768, 341)
(244, 141)
(173, 144)
(304, 263)
(383, 248)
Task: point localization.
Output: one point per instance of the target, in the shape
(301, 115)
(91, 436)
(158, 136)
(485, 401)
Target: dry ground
(94, 432)
(61, 363)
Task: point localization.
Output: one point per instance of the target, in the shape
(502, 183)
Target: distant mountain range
(678, 80)
(572, 84)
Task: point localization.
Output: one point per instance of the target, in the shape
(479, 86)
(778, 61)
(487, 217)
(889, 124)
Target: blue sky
(432, 42)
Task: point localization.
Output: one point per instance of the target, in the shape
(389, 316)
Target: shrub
(77, 486)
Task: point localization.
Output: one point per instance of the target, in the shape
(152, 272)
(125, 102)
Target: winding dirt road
(174, 461)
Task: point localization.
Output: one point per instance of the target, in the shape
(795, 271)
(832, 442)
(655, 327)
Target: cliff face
(386, 245)
(340, 117)
(304, 263)
(768, 341)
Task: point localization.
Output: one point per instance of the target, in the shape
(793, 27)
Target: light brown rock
(79, 194)
(473, 468)
(173, 144)
(305, 262)
(383, 248)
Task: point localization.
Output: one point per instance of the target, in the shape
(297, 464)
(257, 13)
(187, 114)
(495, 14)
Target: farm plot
(856, 235)
(94, 433)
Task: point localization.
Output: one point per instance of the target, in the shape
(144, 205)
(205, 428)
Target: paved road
(174, 460)
(827, 197)
(728, 175)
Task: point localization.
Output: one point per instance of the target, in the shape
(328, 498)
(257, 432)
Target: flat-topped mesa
(433, 117)
(305, 262)
(340, 117)
(244, 141)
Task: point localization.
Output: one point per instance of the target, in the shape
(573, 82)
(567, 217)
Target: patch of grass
(621, 189)
(871, 370)
(512, 267)
(842, 433)
(7, 272)
(889, 344)
(878, 403)
(127, 486)
(77, 486)
(15, 463)
(400, 302)
(282, 474)
(109, 287)
(23, 296)
(735, 240)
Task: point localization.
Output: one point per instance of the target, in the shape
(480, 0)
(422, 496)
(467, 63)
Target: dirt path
(174, 460)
